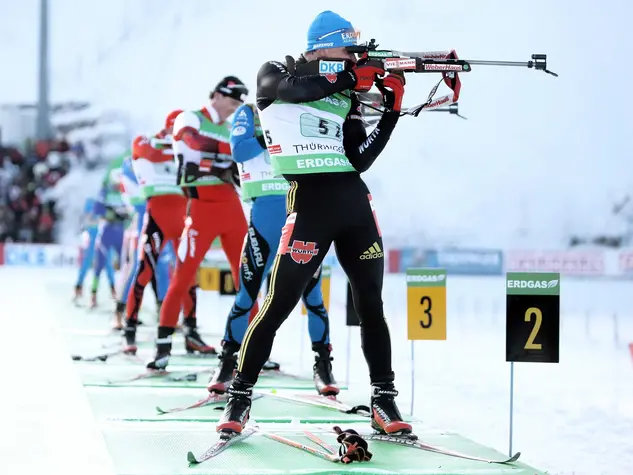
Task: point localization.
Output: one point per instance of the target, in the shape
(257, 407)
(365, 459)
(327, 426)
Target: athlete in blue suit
(112, 216)
(268, 216)
(89, 237)
(134, 200)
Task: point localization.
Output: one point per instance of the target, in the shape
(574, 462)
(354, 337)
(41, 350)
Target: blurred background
(539, 164)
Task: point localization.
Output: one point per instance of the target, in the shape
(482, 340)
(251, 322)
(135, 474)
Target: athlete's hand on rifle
(229, 175)
(365, 72)
(392, 89)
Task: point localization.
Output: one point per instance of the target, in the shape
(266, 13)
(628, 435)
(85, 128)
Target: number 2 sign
(532, 317)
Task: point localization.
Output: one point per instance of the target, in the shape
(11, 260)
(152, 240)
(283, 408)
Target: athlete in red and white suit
(156, 172)
(207, 173)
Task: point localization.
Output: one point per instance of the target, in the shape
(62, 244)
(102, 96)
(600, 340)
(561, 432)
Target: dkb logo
(331, 67)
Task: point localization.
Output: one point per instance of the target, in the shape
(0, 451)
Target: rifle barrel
(438, 55)
(523, 64)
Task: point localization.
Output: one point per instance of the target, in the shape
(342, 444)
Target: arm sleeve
(244, 145)
(274, 82)
(360, 149)
(186, 130)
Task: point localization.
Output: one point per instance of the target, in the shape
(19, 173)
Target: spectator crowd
(27, 214)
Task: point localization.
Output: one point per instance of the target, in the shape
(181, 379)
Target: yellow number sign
(227, 287)
(326, 274)
(209, 278)
(426, 304)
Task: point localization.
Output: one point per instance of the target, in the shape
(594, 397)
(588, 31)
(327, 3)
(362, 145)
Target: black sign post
(532, 323)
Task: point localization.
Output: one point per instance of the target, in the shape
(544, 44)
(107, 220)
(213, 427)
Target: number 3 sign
(426, 304)
(426, 311)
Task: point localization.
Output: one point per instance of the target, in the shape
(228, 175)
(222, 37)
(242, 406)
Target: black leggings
(325, 209)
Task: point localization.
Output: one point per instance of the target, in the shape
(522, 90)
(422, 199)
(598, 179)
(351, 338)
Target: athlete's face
(337, 53)
(225, 105)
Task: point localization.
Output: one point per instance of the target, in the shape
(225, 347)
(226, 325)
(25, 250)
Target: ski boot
(194, 342)
(323, 378)
(118, 316)
(385, 416)
(79, 293)
(163, 349)
(225, 372)
(129, 332)
(237, 409)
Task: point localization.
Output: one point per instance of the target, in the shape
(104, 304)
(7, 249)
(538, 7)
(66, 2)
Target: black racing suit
(326, 208)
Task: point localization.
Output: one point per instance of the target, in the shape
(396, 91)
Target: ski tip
(191, 458)
(515, 457)
(76, 357)
(160, 411)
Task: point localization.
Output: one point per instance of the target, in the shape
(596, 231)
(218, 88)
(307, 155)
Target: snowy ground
(575, 417)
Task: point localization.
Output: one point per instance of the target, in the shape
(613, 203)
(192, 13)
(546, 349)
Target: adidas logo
(374, 252)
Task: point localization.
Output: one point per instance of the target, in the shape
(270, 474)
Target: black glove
(392, 89)
(365, 72)
(353, 447)
(229, 175)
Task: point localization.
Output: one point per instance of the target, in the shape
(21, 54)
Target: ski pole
(319, 453)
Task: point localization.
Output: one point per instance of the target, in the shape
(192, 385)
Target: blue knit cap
(329, 30)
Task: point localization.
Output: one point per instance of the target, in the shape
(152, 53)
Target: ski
(207, 401)
(279, 372)
(170, 375)
(226, 440)
(104, 356)
(410, 442)
(198, 356)
(329, 402)
(334, 402)
(147, 375)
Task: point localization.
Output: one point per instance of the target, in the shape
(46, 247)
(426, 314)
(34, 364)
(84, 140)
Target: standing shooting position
(317, 141)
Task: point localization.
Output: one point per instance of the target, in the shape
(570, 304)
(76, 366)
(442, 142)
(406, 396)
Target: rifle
(437, 61)
(445, 62)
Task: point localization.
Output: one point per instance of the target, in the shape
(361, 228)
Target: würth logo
(302, 252)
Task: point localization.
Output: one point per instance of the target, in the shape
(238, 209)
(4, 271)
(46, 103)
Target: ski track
(575, 417)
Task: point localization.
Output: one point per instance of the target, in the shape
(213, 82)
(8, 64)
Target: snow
(572, 417)
(47, 424)
(538, 160)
